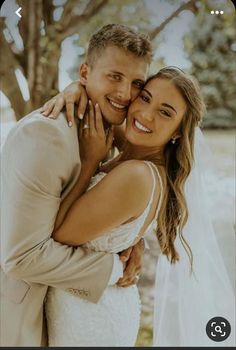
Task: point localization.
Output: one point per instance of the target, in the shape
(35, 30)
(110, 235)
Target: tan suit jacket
(39, 165)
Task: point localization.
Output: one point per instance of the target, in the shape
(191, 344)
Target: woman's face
(155, 115)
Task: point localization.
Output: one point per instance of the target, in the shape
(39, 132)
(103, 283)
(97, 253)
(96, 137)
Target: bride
(140, 190)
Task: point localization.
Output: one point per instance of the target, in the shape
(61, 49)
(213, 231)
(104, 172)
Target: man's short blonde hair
(122, 37)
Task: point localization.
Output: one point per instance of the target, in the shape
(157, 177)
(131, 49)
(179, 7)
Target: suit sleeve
(35, 168)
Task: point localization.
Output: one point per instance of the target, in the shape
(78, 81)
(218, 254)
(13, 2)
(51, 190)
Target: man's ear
(84, 69)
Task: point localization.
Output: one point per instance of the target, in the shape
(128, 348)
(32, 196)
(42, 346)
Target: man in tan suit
(40, 165)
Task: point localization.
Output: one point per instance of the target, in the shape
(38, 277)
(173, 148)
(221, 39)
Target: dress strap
(153, 169)
(154, 182)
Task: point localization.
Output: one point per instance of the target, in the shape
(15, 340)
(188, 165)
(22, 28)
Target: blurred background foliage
(33, 44)
(211, 47)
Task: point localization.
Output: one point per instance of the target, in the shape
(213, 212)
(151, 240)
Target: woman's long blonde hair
(178, 160)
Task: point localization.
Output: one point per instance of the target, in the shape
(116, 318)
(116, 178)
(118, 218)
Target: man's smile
(120, 107)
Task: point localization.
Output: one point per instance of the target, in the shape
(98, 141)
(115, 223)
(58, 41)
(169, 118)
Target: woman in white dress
(142, 189)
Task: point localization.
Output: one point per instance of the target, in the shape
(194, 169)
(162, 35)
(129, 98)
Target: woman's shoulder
(132, 174)
(129, 183)
(133, 167)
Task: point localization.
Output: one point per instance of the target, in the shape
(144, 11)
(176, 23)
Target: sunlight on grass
(144, 337)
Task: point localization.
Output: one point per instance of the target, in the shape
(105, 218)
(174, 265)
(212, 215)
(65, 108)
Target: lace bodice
(123, 236)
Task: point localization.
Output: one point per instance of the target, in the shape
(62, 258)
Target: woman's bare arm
(121, 195)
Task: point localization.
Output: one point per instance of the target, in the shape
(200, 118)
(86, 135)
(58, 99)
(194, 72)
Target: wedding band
(86, 126)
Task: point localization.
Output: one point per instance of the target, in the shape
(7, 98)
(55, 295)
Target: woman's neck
(134, 152)
(143, 153)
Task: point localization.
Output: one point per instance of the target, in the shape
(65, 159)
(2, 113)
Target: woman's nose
(147, 114)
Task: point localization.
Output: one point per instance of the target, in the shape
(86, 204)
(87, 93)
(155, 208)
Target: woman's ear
(83, 73)
(176, 136)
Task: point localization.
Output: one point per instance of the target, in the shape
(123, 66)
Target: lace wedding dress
(115, 319)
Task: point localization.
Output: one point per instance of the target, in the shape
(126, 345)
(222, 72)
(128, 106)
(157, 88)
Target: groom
(40, 165)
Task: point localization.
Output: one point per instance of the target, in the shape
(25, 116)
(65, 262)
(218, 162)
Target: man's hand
(133, 259)
(74, 93)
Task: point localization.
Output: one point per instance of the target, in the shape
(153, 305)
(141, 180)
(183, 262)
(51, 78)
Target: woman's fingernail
(51, 116)
(80, 116)
(70, 123)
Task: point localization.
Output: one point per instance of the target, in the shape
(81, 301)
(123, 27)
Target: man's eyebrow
(169, 106)
(119, 73)
(116, 72)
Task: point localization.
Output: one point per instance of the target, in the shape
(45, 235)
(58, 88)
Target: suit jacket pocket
(14, 290)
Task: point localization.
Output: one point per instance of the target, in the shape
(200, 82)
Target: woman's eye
(165, 113)
(144, 98)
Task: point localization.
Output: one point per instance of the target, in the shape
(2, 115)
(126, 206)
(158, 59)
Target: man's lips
(121, 107)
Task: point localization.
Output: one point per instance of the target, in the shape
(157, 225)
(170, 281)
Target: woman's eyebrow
(148, 92)
(169, 106)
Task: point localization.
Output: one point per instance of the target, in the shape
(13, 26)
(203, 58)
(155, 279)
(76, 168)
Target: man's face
(114, 81)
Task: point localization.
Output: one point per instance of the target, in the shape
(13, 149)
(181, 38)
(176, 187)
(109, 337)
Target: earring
(173, 141)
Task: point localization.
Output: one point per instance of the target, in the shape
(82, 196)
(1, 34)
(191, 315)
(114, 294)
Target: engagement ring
(86, 126)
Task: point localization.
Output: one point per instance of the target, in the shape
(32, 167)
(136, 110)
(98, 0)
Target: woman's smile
(140, 128)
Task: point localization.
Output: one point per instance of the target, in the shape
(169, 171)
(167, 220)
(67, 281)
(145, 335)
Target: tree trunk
(9, 83)
(34, 71)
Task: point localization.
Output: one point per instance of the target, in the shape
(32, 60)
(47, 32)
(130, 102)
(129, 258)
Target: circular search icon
(218, 329)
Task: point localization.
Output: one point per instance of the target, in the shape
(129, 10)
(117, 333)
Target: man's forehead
(119, 61)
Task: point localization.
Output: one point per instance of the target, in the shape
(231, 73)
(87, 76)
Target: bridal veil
(185, 302)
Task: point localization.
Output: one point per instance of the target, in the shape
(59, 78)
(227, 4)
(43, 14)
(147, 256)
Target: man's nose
(124, 93)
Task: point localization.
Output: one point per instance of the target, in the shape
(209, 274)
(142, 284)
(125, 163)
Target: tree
(42, 34)
(212, 50)
(42, 37)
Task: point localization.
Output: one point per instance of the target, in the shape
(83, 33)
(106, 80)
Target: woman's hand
(94, 141)
(74, 93)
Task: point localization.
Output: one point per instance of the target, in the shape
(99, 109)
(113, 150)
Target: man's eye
(115, 77)
(138, 84)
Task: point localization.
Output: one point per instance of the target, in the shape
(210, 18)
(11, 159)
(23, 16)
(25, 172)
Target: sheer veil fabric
(185, 302)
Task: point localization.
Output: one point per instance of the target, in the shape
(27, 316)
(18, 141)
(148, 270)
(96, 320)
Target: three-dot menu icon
(217, 12)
